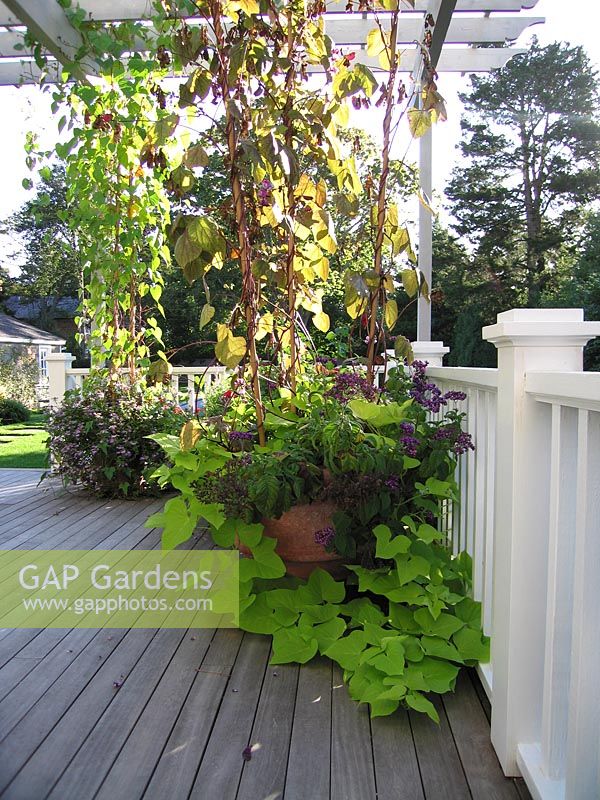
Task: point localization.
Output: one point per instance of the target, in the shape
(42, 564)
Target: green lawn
(23, 444)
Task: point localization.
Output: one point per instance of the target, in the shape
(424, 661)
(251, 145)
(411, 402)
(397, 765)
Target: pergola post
(425, 234)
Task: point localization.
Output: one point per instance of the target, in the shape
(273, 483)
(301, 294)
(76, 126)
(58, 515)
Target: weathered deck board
(352, 767)
(311, 734)
(192, 701)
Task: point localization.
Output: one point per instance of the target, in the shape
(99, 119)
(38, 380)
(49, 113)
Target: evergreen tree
(531, 153)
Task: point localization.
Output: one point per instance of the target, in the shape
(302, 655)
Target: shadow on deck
(191, 701)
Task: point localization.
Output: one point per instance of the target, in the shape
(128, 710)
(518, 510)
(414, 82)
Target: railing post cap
(541, 327)
(430, 347)
(60, 357)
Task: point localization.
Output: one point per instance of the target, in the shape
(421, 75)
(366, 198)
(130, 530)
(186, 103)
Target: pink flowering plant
(98, 437)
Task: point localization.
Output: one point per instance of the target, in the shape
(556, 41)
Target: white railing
(187, 383)
(566, 760)
(470, 524)
(530, 518)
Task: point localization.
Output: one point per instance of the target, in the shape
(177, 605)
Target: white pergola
(469, 36)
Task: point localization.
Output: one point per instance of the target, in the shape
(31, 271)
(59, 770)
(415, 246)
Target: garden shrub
(98, 436)
(13, 411)
(19, 375)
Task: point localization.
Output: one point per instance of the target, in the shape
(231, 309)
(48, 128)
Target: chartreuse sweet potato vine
(403, 623)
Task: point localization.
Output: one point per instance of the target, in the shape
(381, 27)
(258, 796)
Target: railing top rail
(574, 389)
(200, 370)
(478, 377)
(176, 370)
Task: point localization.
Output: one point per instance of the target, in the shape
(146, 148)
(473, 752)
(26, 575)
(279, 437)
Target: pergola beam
(106, 10)
(463, 60)
(48, 23)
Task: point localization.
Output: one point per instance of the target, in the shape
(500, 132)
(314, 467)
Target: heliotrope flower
(325, 536)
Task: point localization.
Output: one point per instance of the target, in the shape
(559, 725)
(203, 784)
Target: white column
(527, 340)
(425, 234)
(432, 352)
(58, 364)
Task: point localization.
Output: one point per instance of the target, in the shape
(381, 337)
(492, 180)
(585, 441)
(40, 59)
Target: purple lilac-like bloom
(325, 536)
(455, 395)
(410, 445)
(393, 483)
(425, 393)
(407, 427)
(430, 518)
(463, 443)
(240, 436)
(348, 385)
(443, 434)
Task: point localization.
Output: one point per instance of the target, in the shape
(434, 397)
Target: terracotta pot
(295, 533)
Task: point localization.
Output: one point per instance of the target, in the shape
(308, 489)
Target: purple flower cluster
(427, 394)
(325, 536)
(407, 427)
(392, 483)
(463, 443)
(264, 192)
(348, 385)
(410, 445)
(98, 439)
(460, 441)
(455, 395)
(240, 436)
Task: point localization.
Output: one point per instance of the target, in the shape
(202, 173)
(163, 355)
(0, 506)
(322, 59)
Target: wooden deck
(192, 701)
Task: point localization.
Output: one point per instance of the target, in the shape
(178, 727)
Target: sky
(26, 108)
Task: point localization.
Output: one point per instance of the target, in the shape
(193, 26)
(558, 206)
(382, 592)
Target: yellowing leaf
(186, 250)
(419, 122)
(403, 349)
(321, 321)
(196, 156)
(189, 435)
(400, 241)
(321, 193)
(231, 350)
(375, 42)
(391, 313)
(206, 315)
(247, 6)
(265, 326)
(321, 267)
(410, 281)
(426, 202)
(306, 188)
(271, 215)
(342, 114)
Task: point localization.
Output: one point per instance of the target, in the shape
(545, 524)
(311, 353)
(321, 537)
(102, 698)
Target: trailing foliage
(403, 622)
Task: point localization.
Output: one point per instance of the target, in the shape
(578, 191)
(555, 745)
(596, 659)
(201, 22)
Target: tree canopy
(531, 152)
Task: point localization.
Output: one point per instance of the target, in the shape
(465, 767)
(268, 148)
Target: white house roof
(14, 331)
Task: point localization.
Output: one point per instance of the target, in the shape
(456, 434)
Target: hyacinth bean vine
(243, 81)
(235, 86)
